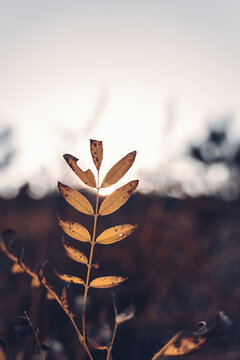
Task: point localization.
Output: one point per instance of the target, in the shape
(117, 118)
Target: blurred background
(159, 77)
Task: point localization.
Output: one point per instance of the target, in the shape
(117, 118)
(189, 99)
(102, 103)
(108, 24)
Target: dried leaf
(74, 253)
(64, 299)
(50, 296)
(115, 233)
(35, 283)
(119, 170)
(96, 346)
(115, 200)
(76, 199)
(74, 229)
(107, 281)
(96, 149)
(86, 176)
(125, 315)
(183, 343)
(69, 278)
(16, 268)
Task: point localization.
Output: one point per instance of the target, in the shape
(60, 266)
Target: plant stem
(80, 337)
(89, 265)
(35, 334)
(109, 350)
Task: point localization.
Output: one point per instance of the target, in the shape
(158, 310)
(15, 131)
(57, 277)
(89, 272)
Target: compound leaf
(96, 149)
(74, 229)
(107, 281)
(74, 253)
(115, 233)
(69, 278)
(119, 170)
(76, 199)
(182, 343)
(115, 200)
(86, 176)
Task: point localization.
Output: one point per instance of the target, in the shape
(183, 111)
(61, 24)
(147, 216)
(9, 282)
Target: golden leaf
(115, 233)
(107, 281)
(119, 170)
(182, 343)
(96, 149)
(74, 253)
(69, 278)
(74, 229)
(76, 199)
(86, 176)
(115, 200)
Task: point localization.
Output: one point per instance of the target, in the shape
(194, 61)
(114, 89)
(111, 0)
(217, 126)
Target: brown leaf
(16, 268)
(107, 281)
(35, 282)
(50, 296)
(69, 278)
(115, 233)
(182, 343)
(74, 229)
(74, 253)
(115, 200)
(119, 170)
(64, 299)
(76, 199)
(86, 176)
(96, 149)
(96, 346)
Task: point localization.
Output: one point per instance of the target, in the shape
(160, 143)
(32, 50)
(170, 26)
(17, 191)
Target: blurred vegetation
(182, 266)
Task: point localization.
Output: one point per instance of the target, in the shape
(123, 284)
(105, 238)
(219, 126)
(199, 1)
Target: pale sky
(115, 71)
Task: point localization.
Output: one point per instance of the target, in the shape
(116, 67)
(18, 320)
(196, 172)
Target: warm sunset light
(148, 75)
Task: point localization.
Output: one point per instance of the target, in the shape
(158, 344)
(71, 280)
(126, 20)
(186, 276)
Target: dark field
(182, 264)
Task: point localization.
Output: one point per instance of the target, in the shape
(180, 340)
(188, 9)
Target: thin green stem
(89, 265)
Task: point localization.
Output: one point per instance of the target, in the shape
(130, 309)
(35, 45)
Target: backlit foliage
(184, 342)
